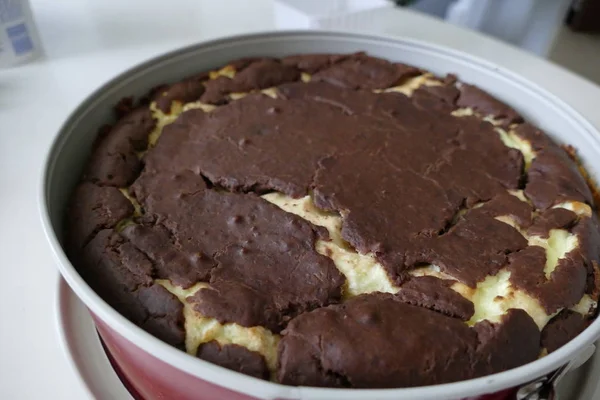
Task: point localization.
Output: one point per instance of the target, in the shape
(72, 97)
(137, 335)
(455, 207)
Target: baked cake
(338, 220)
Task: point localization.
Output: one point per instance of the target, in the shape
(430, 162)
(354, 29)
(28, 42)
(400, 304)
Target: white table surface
(87, 42)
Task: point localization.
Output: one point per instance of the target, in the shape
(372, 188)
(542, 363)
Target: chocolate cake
(338, 220)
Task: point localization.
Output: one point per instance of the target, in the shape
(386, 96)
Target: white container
(529, 24)
(352, 15)
(19, 39)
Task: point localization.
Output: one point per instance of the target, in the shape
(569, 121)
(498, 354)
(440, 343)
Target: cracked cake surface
(338, 220)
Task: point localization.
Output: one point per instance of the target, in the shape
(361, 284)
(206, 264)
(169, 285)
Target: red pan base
(157, 380)
(134, 393)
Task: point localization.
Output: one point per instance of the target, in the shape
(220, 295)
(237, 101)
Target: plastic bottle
(19, 40)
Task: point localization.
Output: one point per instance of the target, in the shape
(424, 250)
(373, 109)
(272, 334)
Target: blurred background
(564, 31)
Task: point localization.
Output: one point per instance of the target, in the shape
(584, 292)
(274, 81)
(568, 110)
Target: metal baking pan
(158, 370)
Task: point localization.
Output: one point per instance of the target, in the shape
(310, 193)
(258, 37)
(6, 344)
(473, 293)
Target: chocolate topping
(124, 107)
(413, 185)
(527, 266)
(170, 260)
(234, 357)
(361, 190)
(467, 252)
(538, 139)
(263, 74)
(122, 276)
(588, 235)
(508, 344)
(435, 294)
(446, 93)
(93, 208)
(553, 178)
(592, 287)
(261, 261)
(565, 286)
(311, 63)
(439, 98)
(561, 329)
(506, 205)
(367, 341)
(482, 102)
(555, 218)
(114, 161)
(328, 148)
(216, 90)
(184, 91)
(260, 74)
(242, 63)
(360, 71)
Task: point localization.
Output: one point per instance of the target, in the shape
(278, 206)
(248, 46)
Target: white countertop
(87, 42)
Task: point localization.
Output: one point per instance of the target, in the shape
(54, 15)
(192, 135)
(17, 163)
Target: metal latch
(545, 387)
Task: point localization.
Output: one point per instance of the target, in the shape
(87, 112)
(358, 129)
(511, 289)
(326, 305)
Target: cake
(338, 220)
